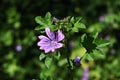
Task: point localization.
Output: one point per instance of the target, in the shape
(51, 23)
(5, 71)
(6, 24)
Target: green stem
(69, 65)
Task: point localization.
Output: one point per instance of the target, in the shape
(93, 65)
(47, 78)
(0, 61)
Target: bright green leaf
(75, 29)
(48, 62)
(81, 26)
(97, 54)
(48, 15)
(89, 57)
(48, 19)
(40, 21)
(78, 26)
(72, 20)
(42, 56)
(39, 28)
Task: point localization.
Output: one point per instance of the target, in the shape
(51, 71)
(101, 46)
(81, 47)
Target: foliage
(91, 30)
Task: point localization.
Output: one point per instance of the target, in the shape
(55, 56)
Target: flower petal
(43, 37)
(59, 36)
(51, 35)
(48, 49)
(53, 50)
(42, 48)
(43, 42)
(58, 45)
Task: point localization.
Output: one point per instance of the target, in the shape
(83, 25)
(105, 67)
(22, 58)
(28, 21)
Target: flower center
(53, 43)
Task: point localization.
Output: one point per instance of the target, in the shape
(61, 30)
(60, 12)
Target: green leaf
(89, 57)
(39, 28)
(53, 28)
(7, 38)
(88, 44)
(101, 42)
(95, 27)
(97, 54)
(83, 37)
(42, 56)
(94, 34)
(75, 29)
(48, 19)
(80, 25)
(109, 18)
(62, 62)
(48, 15)
(78, 19)
(48, 62)
(40, 21)
(57, 55)
(72, 20)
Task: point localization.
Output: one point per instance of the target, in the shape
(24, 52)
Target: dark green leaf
(83, 37)
(94, 34)
(7, 38)
(57, 55)
(88, 44)
(101, 42)
(78, 19)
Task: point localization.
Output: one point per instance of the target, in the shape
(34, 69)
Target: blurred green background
(19, 54)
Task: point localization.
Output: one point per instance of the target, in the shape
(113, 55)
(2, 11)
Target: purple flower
(51, 42)
(18, 48)
(77, 60)
(101, 18)
(85, 74)
(55, 19)
(100, 35)
(107, 37)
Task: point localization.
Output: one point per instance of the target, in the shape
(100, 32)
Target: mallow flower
(77, 60)
(85, 74)
(101, 18)
(18, 47)
(55, 19)
(52, 41)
